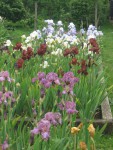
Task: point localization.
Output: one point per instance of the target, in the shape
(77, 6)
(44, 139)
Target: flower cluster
(43, 126)
(75, 130)
(91, 130)
(58, 52)
(83, 145)
(95, 46)
(50, 29)
(5, 96)
(74, 61)
(42, 50)
(27, 54)
(4, 76)
(47, 80)
(92, 32)
(44, 64)
(35, 35)
(5, 145)
(68, 106)
(72, 51)
(58, 35)
(18, 46)
(68, 82)
(72, 29)
(8, 43)
(83, 69)
(53, 118)
(19, 63)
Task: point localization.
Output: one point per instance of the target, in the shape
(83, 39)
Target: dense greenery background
(66, 10)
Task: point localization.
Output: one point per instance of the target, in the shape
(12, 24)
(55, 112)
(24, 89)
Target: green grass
(15, 35)
(107, 56)
(105, 143)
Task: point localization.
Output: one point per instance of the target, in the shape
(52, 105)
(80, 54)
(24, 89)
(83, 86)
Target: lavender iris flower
(5, 145)
(41, 75)
(39, 34)
(68, 106)
(53, 78)
(82, 31)
(68, 82)
(72, 31)
(34, 80)
(43, 126)
(50, 29)
(45, 83)
(60, 32)
(35, 131)
(54, 118)
(45, 135)
(4, 75)
(4, 97)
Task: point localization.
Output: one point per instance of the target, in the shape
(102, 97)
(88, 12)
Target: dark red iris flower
(18, 46)
(27, 54)
(42, 49)
(74, 61)
(83, 69)
(19, 63)
(66, 52)
(95, 46)
(74, 50)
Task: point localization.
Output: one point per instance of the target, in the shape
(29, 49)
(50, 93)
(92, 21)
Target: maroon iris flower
(83, 69)
(95, 46)
(42, 49)
(18, 46)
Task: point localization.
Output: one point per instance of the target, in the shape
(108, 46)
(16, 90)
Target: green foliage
(64, 10)
(12, 10)
(107, 55)
(3, 32)
(72, 10)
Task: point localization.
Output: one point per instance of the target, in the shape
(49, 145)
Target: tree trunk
(35, 19)
(96, 13)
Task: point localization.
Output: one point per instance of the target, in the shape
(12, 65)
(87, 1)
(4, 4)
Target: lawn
(105, 143)
(15, 35)
(107, 56)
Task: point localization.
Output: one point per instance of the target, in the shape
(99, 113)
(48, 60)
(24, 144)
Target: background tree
(12, 9)
(101, 10)
(89, 11)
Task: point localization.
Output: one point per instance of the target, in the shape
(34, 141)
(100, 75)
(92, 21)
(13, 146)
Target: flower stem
(75, 142)
(93, 146)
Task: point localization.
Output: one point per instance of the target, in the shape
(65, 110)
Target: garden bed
(50, 81)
